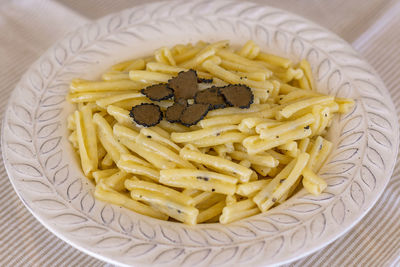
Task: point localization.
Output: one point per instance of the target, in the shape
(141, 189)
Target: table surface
(29, 27)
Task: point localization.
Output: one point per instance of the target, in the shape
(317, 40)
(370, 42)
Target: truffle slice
(174, 112)
(210, 96)
(158, 92)
(204, 80)
(238, 95)
(146, 114)
(184, 85)
(192, 114)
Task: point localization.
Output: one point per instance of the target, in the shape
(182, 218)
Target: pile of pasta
(233, 164)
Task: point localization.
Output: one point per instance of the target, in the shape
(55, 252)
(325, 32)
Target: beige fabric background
(29, 27)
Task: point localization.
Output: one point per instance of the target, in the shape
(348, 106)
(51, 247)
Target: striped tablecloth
(29, 27)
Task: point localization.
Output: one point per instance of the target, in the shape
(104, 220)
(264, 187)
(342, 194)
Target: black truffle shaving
(158, 92)
(237, 95)
(210, 96)
(184, 85)
(146, 114)
(204, 80)
(182, 101)
(174, 112)
(192, 114)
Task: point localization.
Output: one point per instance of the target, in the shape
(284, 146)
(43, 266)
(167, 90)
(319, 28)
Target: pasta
(231, 164)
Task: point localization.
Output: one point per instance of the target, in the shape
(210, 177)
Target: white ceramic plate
(47, 177)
